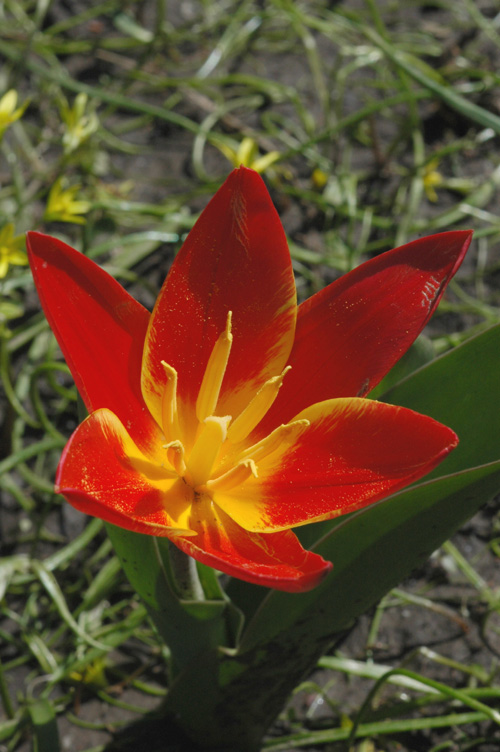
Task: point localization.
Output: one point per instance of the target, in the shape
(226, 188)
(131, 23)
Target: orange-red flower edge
(230, 415)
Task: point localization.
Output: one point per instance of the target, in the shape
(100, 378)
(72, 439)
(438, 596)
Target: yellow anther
(214, 373)
(236, 475)
(256, 408)
(169, 415)
(175, 456)
(287, 434)
(205, 450)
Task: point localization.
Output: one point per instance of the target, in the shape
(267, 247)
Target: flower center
(220, 457)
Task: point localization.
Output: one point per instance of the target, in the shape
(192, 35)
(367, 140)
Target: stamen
(169, 414)
(152, 470)
(236, 475)
(175, 456)
(287, 433)
(214, 373)
(253, 413)
(205, 450)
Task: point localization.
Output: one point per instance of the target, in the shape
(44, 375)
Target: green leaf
(51, 585)
(460, 389)
(445, 92)
(419, 354)
(45, 734)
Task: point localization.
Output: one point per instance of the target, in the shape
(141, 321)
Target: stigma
(222, 455)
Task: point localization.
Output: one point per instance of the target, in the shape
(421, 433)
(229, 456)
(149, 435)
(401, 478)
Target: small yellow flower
(11, 249)
(247, 154)
(93, 674)
(432, 179)
(62, 205)
(319, 178)
(78, 124)
(8, 112)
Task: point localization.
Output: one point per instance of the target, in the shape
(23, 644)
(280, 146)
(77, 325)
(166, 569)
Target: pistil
(207, 457)
(206, 450)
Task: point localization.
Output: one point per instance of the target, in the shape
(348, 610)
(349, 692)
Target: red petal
(350, 334)
(103, 473)
(275, 560)
(234, 259)
(100, 329)
(354, 452)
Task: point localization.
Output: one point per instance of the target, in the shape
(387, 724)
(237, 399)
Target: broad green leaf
(419, 354)
(44, 727)
(460, 389)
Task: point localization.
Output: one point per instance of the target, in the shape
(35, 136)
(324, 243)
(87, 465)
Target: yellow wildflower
(247, 154)
(11, 249)
(78, 124)
(319, 178)
(8, 112)
(62, 205)
(432, 179)
(93, 674)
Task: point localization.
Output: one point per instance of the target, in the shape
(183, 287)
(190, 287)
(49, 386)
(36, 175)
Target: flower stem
(185, 574)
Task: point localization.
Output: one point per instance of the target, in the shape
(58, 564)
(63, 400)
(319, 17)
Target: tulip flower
(229, 415)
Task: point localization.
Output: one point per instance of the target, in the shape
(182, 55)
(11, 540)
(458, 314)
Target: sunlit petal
(275, 560)
(354, 452)
(102, 472)
(234, 259)
(350, 334)
(100, 329)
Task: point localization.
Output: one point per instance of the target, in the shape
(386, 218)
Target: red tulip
(229, 415)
